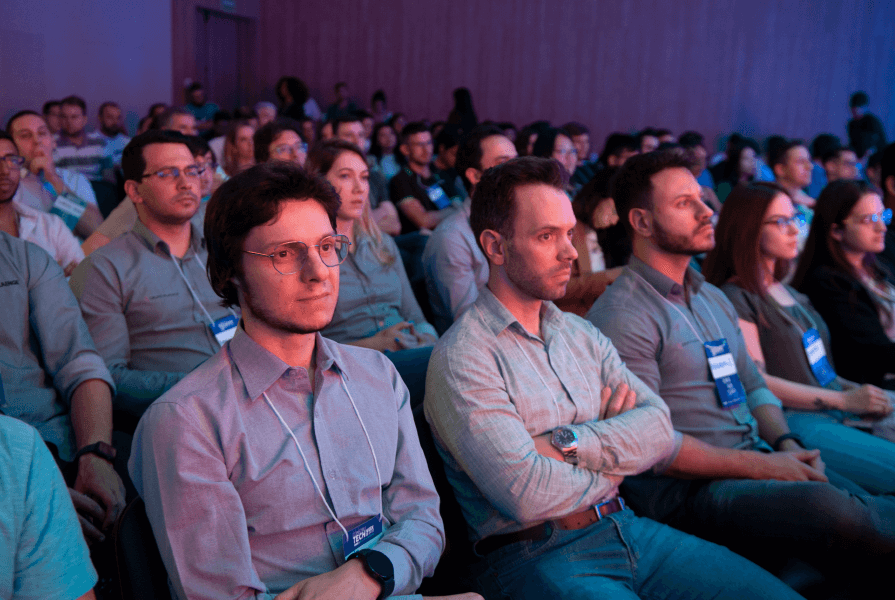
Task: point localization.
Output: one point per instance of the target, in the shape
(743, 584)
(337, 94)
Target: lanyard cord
(675, 307)
(801, 309)
(190, 287)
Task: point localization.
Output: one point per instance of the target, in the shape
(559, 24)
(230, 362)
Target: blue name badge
(437, 196)
(69, 209)
(724, 372)
(224, 328)
(363, 536)
(817, 357)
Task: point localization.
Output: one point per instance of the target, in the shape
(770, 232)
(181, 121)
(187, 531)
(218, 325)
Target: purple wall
(711, 65)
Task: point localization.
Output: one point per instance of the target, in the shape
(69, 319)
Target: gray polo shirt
(646, 315)
(145, 321)
(45, 347)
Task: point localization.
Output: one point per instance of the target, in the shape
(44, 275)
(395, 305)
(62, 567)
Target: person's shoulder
(23, 256)
(621, 295)
(205, 390)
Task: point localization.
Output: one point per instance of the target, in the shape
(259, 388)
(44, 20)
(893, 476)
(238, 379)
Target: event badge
(363, 536)
(724, 372)
(437, 196)
(224, 328)
(69, 209)
(817, 357)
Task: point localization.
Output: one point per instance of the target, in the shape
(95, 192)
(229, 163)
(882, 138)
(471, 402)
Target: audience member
(463, 114)
(201, 109)
(47, 187)
(739, 166)
(756, 239)
(665, 136)
(553, 143)
(176, 119)
(52, 378)
(379, 107)
(279, 140)
(397, 121)
(447, 143)
(19, 220)
(737, 475)
(416, 191)
(77, 149)
(618, 148)
(308, 131)
(821, 145)
(887, 187)
(453, 263)
(840, 163)
(111, 127)
(694, 143)
(648, 139)
(350, 128)
(591, 273)
(383, 144)
(145, 295)
(839, 274)
(538, 421)
(873, 170)
(266, 112)
(343, 105)
(865, 130)
(239, 148)
(580, 136)
(293, 94)
(52, 113)
(42, 553)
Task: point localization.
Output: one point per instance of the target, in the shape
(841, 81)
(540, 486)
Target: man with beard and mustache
(288, 464)
(539, 421)
(737, 476)
(145, 295)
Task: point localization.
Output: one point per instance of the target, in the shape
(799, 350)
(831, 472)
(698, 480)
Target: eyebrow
(274, 244)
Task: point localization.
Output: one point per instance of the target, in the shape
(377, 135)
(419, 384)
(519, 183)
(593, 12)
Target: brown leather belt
(541, 531)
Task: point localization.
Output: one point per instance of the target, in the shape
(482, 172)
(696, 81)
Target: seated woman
(597, 264)
(739, 167)
(239, 148)
(376, 307)
(554, 143)
(839, 273)
(383, 144)
(756, 239)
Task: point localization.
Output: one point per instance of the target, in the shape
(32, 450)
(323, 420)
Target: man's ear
(130, 188)
(777, 169)
(473, 175)
(641, 221)
(405, 150)
(493, 245)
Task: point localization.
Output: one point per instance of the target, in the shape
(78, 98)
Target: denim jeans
(624, 556)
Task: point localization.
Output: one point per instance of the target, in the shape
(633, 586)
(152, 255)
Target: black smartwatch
(101, 449)
(380, 568)
(788, 436)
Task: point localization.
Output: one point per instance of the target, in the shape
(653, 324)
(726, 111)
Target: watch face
(564, 437)
(380, 564)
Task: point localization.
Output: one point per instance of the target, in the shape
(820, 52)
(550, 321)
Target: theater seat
(141, 573)
(453, 574)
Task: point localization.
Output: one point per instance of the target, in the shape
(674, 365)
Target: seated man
(42, 553)
(52, 378)
(539, 421)
(746, 481)
(145, 296)
(280, 140)
(111, 127)
(77, 149)
(840, 163)
(47, 187)
(176, 119)
(453, 264)
(19, 220)
(249, 485)
(417, 192)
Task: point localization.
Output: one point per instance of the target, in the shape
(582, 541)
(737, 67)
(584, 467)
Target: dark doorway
(222, 53)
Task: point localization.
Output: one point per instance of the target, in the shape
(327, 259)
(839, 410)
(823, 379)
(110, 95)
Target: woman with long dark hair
(755, 241)
(739, 167)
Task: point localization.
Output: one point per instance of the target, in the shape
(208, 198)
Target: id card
(69, 209)
(437, 196)
(724, 372)
(363, 536)
(817, 357)
(224, 328)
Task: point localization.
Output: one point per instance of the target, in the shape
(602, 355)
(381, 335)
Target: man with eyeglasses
(145, 295)
(288, 465)
(280, 140)
(19, 220)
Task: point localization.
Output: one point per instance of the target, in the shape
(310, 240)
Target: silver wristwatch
(565, 440)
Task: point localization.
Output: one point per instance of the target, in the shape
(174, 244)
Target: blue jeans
(624, 556)
(865, 459)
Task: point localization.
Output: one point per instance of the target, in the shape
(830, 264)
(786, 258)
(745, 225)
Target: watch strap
(788, 436)
(101, 449)
(384, 573)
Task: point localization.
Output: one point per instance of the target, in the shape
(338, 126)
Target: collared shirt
(50, 233)
(492, 387)
(455, 268)
(145, 322)
(89, 159)
(45, 347)
(373, 296)
(42, 550)
(115, 146)
(229, 497)
(33, 193)
(651, 320)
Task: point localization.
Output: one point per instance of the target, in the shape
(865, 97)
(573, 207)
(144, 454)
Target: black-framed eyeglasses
(885, 217)
(797, 219)
(289, 258)
(14, 161)
(172, 173)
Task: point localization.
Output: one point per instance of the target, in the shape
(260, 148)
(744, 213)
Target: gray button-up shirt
(373, 296)
(145, 322)
(45, 347)
(492, 387)
(640, 314)
(229, 497)
(455, 268)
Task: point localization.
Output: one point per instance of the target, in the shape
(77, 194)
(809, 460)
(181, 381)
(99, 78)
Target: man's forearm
(698, 460)
(91, 412)
(771, 422)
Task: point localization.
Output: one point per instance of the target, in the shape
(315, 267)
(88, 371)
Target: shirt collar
(663, 284)
(260, 368)
(498, 317)
(152, 241)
